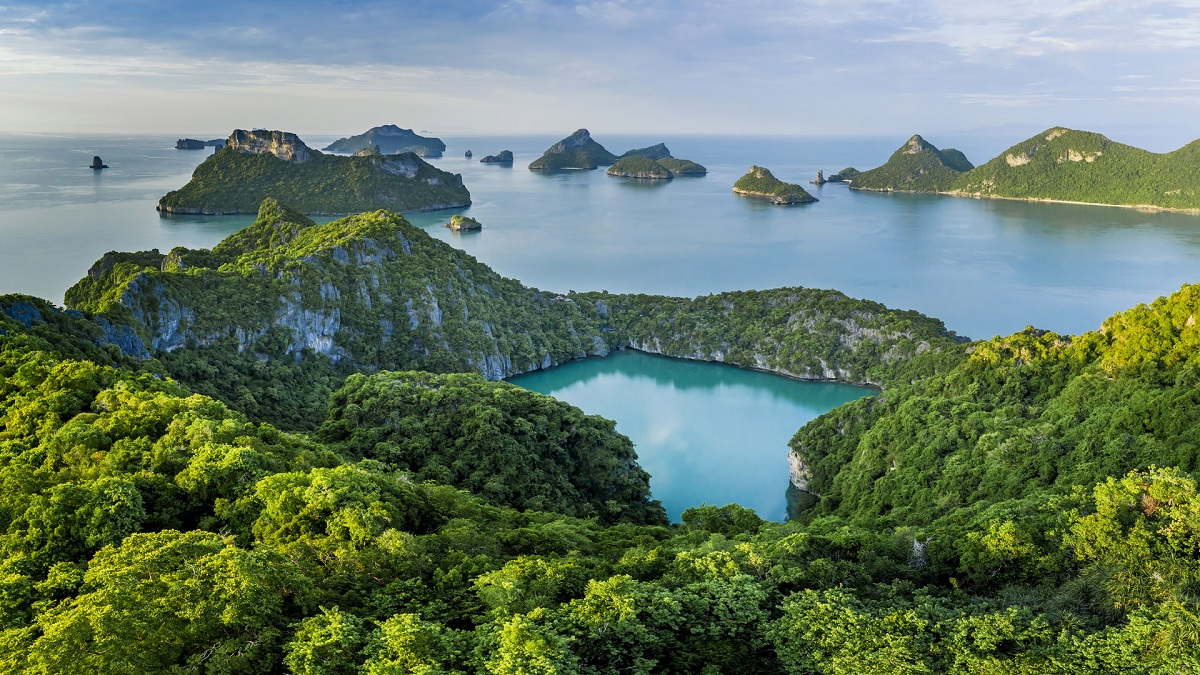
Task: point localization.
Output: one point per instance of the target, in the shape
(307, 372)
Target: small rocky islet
(463, 224)
(760, 183)
(502, 157)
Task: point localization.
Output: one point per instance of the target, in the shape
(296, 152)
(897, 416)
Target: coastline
(1042, 200)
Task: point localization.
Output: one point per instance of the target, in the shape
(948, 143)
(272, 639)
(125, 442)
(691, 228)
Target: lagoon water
(984, 267)
(707, 433)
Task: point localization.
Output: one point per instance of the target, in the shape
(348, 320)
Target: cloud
(763, 65)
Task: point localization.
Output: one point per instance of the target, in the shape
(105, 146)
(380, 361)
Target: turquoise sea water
(707, 433)
(985, 267)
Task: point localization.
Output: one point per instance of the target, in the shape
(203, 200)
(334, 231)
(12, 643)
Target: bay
(706, 433)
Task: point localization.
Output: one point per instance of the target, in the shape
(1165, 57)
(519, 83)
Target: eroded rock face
(283, 144)
(576, 140)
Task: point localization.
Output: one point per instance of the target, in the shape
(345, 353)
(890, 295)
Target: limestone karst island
(255, 165)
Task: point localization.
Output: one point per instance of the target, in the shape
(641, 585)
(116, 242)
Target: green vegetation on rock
(762, 184)
(683, 167)
(499, 441)
(1022, 415)
(1058, 164)
(637, 166)
(463, 224)
(146, 530)
(577, 151)
(917, 166)
(239, 176)
(286, 301)
(655, 152)
(846, 175)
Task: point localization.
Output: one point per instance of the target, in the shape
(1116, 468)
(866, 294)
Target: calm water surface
(707, 433)
(984, 267)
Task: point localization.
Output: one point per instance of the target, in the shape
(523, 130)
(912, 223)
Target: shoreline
(1150, 208)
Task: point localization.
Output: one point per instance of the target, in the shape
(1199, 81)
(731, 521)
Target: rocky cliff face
(283, 144)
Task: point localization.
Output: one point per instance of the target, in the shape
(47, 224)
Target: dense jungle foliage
(274, 317)
(760, 182)
(1058, 164)
(232, 181)
(1022, 414)
(146, 530)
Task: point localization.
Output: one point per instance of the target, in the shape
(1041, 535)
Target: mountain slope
(577, 151)
(287, 301)
(917, 166)
(1023, 414)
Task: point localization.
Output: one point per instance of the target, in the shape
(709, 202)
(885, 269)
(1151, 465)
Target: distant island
(502, 157)
(463, 224)
(391, 140)
(760, 183)
(659, 151)
(258, 164)
(846, 175)
(655, 164)
(98, 163)
(1059, 164)
(577, 151)
(193, 144)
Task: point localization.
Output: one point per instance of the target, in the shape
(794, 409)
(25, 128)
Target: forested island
(391, 140)
(654, 163)
(254, 165)
(1056, 165)
(209, 466)
(760, 183)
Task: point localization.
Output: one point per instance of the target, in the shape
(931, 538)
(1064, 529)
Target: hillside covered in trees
(1021, 505)
(147, 529)
(1058, 164)
(277, 315)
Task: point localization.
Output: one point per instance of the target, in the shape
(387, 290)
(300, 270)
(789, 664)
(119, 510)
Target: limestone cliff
(371, 292)
(282, 144)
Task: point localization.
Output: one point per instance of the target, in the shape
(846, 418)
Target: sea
(985, 267)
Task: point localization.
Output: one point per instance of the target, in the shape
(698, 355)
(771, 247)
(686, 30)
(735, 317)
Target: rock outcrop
(658, 151)
(463, 224)
(641, 167)
(282, 144)
(502, 157)
(189, 144)
(577, 151)
(468, 154)
(760, 183)
(98, 163)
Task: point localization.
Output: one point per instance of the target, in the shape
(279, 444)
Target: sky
(462, 67)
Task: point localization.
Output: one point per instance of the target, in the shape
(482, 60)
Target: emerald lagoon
(707, 433)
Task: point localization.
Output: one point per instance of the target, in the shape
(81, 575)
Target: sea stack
(98, 163)
(468, 155)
